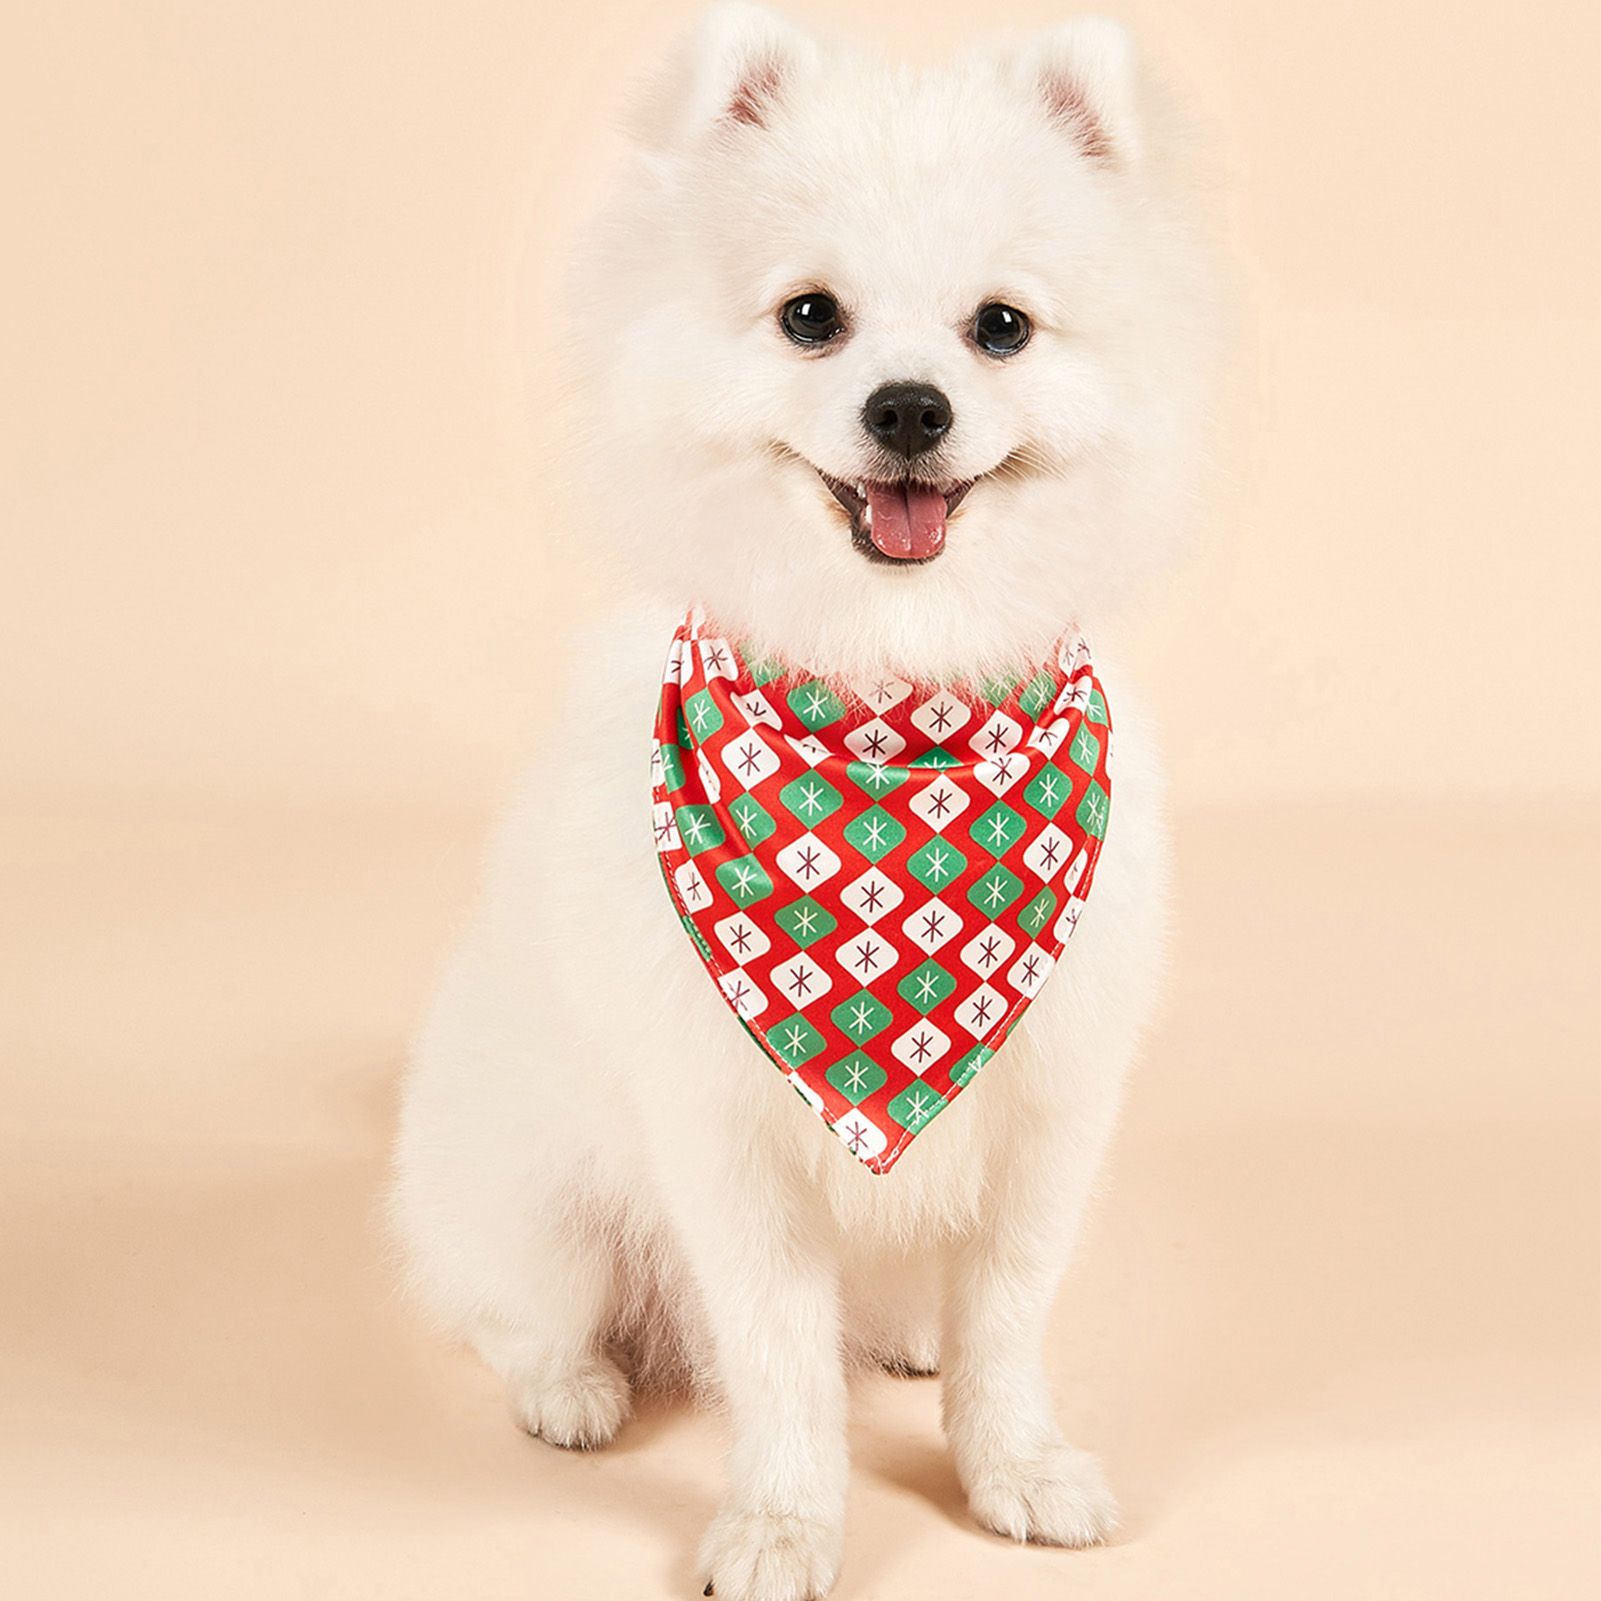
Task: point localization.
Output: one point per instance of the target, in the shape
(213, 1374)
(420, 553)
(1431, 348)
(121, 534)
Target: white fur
(593, 1155)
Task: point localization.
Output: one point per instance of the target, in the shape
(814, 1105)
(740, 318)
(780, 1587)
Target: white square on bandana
(741, 938)
(862, 1136)
(998, 735)
(678, 661)
(809, 748)
(717, 659)
(800, 980)
(756, 708)
(999, 776)
(710, 782)
(1048, 736)
(981, 1011)
(933, 924)
(1075, 694)
(941, 717)
(988, 949)
(881, 693)
(875, 742)
(692, 889)
(866, 957)
(742, 993)
(808, 861)
(872, 895)
(750, 759)
(666, 829)
(939, 803)
(1070, 879)
(1029, 972)
(1073, 653)
(1048, 853)
(920, 1047)
(1068, 921)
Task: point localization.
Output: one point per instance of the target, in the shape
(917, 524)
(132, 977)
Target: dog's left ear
(1084, 74)
(732, 72)
(747, 57)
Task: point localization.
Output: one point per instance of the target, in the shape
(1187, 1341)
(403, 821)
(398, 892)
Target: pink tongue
(908, 520)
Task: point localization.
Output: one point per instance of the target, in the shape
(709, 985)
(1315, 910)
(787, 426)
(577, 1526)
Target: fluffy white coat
(594, 1160)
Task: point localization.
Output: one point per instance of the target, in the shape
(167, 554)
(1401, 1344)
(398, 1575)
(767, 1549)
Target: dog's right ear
(733, 71)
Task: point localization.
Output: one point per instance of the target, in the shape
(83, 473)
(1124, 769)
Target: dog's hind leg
(503, 1234)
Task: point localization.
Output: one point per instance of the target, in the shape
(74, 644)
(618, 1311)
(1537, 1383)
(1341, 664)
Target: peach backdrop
(280, 520)
(288, 546)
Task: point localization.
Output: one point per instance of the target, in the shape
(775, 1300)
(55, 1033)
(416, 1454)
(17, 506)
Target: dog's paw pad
(580, 1409)
(759, 1556)
(1056, 1498)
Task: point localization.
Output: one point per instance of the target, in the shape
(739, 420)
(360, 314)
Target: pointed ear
(734, 70)
(1084, 74)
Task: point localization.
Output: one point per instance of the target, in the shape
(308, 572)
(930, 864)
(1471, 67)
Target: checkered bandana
(878, 875)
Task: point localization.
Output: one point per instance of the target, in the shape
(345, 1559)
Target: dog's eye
(1000, 330)
(812, 319)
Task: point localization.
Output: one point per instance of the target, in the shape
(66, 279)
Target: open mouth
(897, 522)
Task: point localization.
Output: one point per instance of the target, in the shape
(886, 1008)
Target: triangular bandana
(879, 875)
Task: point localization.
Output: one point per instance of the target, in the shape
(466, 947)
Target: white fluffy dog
(595, 1165)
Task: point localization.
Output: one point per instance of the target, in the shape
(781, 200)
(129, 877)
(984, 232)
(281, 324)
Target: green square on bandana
(1095, 710)
(1037, 913)
(877, 778)
(970, 1064)
(805, 921)
(856, 1077)
(672, 768)
(874, 833)
(936, 865)
(702, 714)
(815, 704)
(1093, 810)
(699, 828)
(811, 798)
(998, 688)
(861, 1017)
(752, 819)
(1039, 694)
(745, 881)
(996, 890)
(937, 757)
(998, 830)
(1085, 749)
(926, 986)
(762, 670)
(915, 1107)
(1048, 790)
(795, 1040)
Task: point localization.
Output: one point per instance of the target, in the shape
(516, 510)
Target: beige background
(287, 547)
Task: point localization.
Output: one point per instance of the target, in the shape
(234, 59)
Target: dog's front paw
(1056, 1498)
(762, 1556)
(579, 1409)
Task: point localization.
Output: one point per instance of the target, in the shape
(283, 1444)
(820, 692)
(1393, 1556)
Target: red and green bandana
(879, 875)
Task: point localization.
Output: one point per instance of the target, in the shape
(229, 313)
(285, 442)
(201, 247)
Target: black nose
(908, 418)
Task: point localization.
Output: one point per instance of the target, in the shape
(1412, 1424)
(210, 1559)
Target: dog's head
(893, 367)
